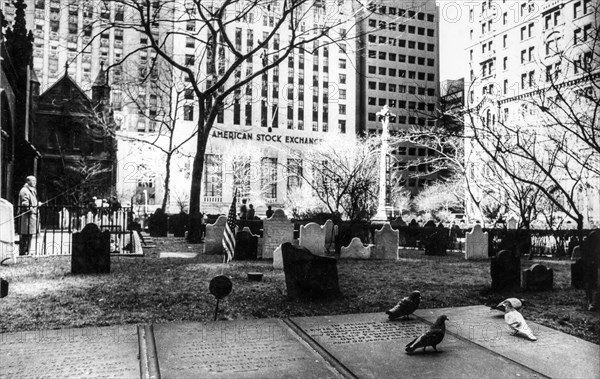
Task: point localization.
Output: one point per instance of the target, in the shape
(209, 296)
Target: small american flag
(229, 232)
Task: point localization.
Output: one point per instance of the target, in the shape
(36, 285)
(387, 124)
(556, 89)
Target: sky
(454, 35)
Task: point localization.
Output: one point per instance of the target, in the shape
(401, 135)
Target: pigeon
(516, 303)
(516, 321)
(405, 306)
(432, 337)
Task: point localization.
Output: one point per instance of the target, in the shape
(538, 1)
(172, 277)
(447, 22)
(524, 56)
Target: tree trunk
(196, 189)
(167, 180)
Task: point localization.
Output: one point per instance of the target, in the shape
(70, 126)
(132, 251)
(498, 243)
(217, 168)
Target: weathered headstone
(386, 243)
(312, 237)
(476, 245)
(505, 269)
(538, 278)
(511, 223)
(213, 242)
(577, 271)
(401, 236)
(398, 222)
(309, 276)
(277, 259)
(7, 230)
(91, 251)
(246, 246)
(278, 229)
(356, 250)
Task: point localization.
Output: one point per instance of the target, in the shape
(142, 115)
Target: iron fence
(48, 229)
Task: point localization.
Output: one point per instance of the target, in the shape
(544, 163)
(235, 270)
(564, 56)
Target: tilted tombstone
(246, 246)
(356, 250)
(278, 229)
(312, 237)
(386, 243)
(476, 244)
(309, 276)
(538, 278)
(213, 242)
(505, 270)
(7, 230)
(91, 251)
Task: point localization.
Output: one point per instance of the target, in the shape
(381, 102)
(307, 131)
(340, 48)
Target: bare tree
(216, 73)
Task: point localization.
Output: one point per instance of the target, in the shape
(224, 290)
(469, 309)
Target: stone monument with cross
(384, 115)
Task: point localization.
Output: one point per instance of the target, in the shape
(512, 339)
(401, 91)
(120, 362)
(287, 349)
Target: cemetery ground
(44, 295)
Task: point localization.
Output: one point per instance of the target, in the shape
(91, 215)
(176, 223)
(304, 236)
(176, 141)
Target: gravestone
(429, 224)
(91, 251)
(505, 269)
(309, 276)
(435, 241)
(590, 255)
(386, 243)
(178, 222)
(401, 236)
(398, 222)
(277, 259)
(511, 223)
(246, 246)
(356, 250)
(576, 253)
(312, 237)
(3, 288)
(213, 242)
(278, 229)
(577, 271)
(7, 230)
(64, 217)
(538, 278)
(331, 231)
(476, 244)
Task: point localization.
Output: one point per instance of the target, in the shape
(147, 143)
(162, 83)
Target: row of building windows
(401, 88)
(392, 11)
(421, 61)
(374, 54)
(403, 120)
(402, 104)
(402, 28)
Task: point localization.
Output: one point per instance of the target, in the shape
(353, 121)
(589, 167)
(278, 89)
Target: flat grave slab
(554, 354)
(168, 254)
(263, 348)
(370, 346)
(99, 352)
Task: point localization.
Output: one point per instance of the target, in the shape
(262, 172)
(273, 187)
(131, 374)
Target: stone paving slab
(554, 354)
(370, 346)
(263, 348)
(477, 345)
(168, 254)
(102, 352)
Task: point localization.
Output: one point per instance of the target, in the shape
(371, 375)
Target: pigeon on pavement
(516, 321)
(432, 337)
(516, 303)
(405, 307)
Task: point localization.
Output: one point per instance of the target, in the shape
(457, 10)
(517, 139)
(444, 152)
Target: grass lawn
(44, 295)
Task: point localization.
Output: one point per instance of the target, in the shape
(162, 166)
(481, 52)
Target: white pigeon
(516, 321)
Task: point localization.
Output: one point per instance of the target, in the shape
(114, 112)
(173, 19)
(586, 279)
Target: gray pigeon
(432, 337)
(516, 304)
(405, 306)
